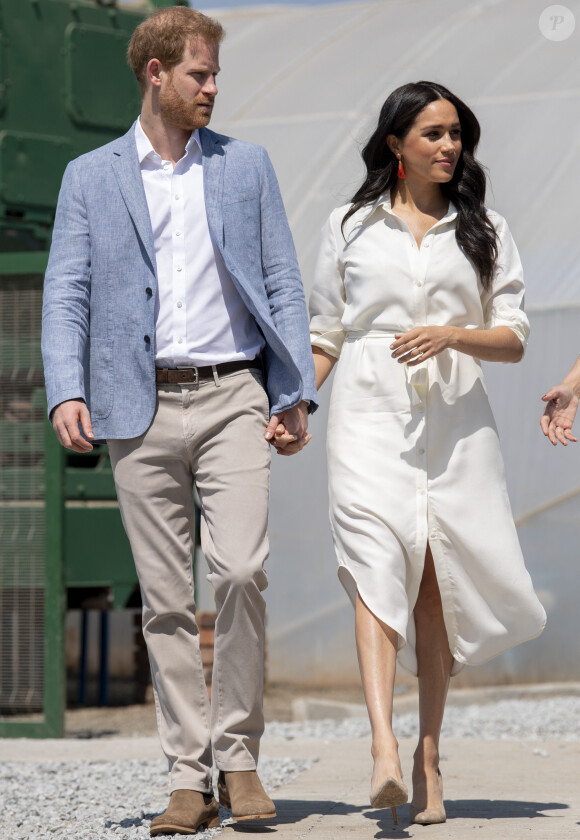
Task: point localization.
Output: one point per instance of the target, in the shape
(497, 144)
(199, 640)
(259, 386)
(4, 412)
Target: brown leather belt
(193, 375)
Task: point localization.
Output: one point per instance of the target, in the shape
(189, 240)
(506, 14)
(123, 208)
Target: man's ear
(153, 72)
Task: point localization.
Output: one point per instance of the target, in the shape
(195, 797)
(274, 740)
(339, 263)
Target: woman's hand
(421, 343)
(287, 444)
(497, 344)
(558, 417)
(290, 448)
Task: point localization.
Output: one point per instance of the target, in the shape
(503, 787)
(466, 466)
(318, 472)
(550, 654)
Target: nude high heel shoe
(429, 816)
(389, 794)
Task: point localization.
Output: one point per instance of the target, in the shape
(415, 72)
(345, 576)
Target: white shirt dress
(413, 452)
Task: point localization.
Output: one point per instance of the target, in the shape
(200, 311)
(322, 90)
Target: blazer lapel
(128, 173)
(214, 160)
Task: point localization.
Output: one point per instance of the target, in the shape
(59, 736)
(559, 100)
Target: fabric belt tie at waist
(193, 375)
(354, 334)
(417, 377)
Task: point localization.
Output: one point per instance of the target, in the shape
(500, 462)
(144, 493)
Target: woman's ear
(393, 144)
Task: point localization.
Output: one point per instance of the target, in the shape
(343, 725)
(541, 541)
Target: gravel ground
(91, 801)
(548, 719)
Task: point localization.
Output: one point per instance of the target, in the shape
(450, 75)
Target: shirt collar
(384, 202)
(146, 150)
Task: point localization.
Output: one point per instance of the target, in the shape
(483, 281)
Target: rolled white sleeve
(503, 303)
(327, 300)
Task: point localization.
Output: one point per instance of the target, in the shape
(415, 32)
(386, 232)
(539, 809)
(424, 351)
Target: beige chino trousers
(210, 435)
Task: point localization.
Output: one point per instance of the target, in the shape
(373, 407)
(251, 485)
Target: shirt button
(147, 339)
(427, 244)
(148, 290)
(419, 283)
(180, 341)
(179, 304)
(177, 197)
(178, 267)
(178, 233)
(421, 452)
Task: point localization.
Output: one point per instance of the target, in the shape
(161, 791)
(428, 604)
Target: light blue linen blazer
(98, 335)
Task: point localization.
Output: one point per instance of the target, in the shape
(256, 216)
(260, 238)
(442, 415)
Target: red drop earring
(400, 170)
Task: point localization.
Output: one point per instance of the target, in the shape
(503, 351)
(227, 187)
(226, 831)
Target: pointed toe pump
(429, 816)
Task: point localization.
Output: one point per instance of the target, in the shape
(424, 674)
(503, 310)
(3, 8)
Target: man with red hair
(175, 327)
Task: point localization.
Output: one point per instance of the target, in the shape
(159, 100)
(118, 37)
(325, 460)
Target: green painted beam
(31, 262)
(24, 729)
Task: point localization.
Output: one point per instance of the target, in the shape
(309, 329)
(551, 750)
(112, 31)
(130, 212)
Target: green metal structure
(65, 88)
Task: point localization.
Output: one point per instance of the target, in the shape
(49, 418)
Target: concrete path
(494, 789)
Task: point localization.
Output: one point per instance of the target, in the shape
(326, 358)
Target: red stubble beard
(177, 111)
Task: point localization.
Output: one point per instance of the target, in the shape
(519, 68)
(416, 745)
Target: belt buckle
(195, 380)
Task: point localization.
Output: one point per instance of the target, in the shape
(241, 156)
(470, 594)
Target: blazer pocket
(242, 231)
(236, 198)
(100, 378)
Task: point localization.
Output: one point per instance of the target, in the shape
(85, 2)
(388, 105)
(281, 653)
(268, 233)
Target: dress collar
(383, 202)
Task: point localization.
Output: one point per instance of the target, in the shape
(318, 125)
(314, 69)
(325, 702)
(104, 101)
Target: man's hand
(65, 420)
(557, 419)
(287, 431)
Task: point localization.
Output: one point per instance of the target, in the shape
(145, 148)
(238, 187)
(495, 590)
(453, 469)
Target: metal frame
(52, 724)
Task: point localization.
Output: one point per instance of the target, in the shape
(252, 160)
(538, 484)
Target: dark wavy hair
(474, 232)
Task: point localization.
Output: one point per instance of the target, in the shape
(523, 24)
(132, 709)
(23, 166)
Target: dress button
(147, 339)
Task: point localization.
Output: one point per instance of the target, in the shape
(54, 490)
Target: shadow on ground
(291, 811)
(467, 809)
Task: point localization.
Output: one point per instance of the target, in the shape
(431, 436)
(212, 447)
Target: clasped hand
(421, 343)
(287, 431)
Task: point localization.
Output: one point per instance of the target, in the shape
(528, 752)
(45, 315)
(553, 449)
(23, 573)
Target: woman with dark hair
(416, 282)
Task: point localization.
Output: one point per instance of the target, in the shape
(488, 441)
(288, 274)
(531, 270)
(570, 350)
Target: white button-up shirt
(200, 318)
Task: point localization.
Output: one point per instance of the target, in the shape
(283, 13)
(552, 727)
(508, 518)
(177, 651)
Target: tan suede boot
(188, 811)
(242, 791)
